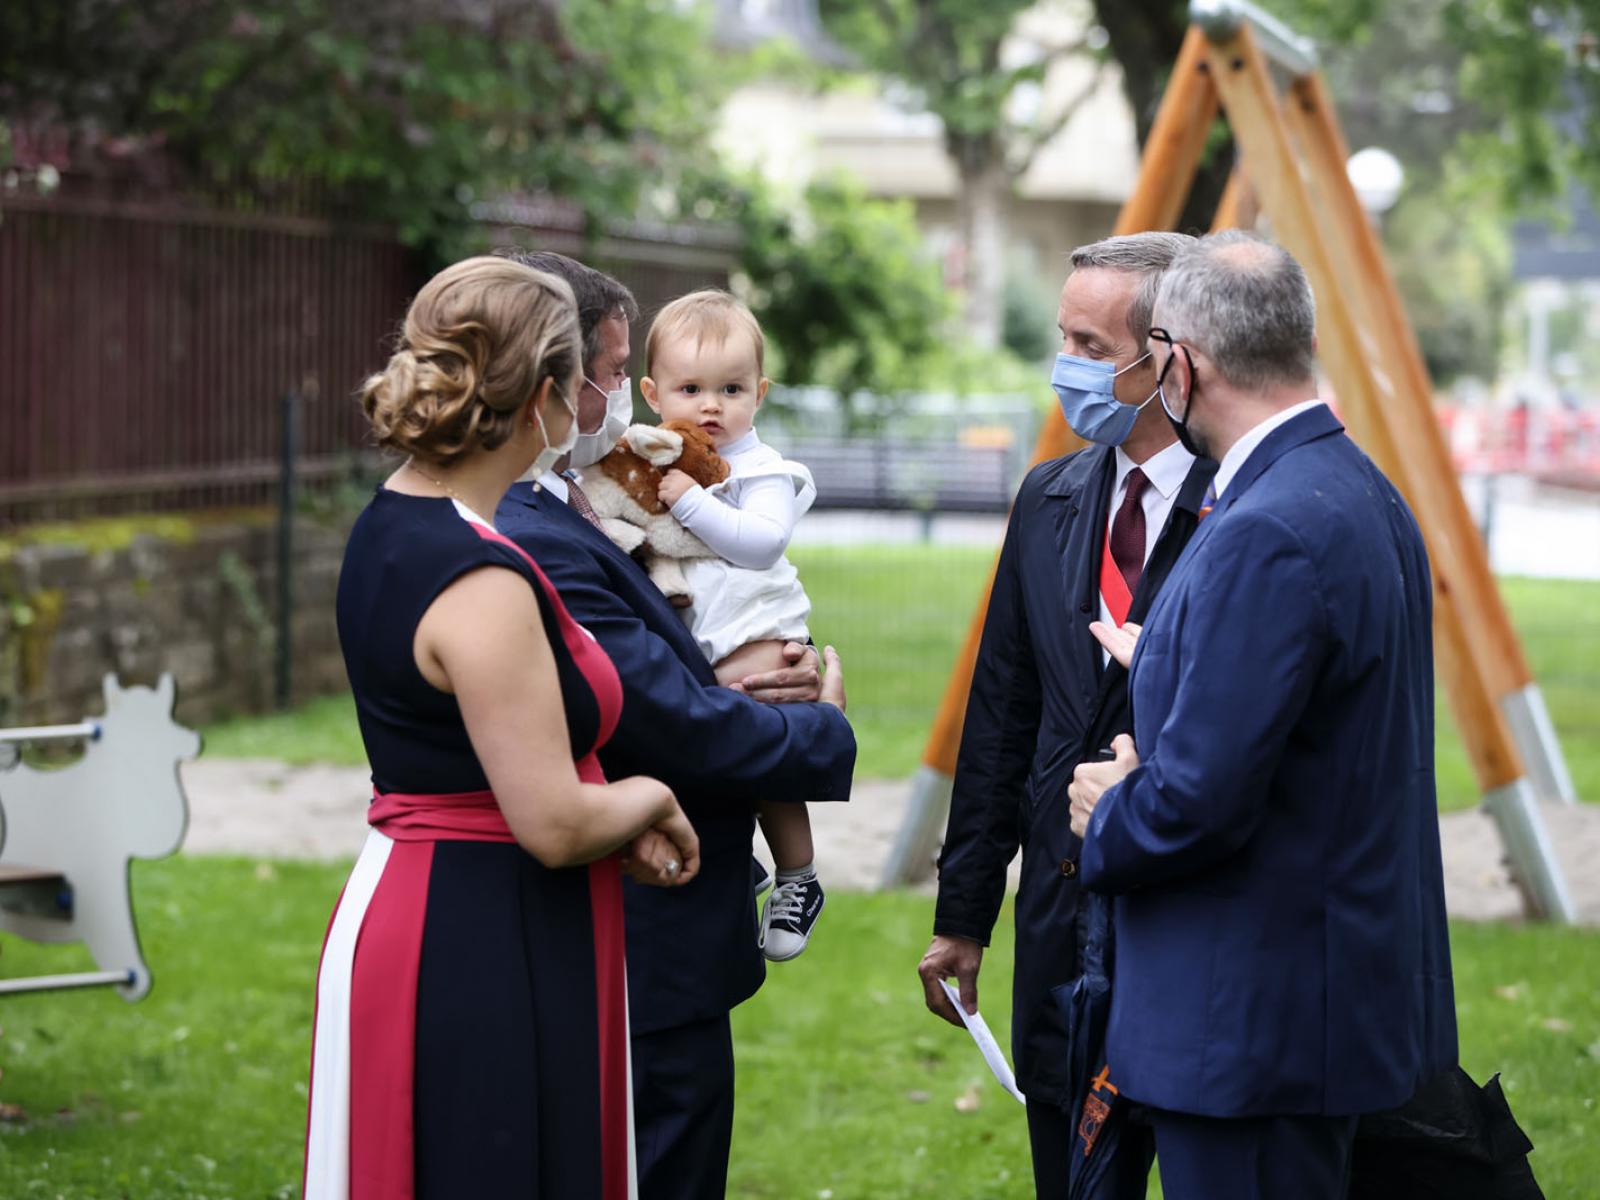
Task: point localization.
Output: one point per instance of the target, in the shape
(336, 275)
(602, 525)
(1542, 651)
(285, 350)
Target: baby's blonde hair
(707, 315)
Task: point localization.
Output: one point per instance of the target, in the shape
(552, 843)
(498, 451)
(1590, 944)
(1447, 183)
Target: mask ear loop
(1143, 404)
(1132, 365)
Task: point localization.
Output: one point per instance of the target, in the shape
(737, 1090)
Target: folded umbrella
(1108, 1162)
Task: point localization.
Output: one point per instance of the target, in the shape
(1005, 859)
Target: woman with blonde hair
(471, 1024)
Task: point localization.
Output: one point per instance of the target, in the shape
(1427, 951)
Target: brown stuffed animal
(623, 487)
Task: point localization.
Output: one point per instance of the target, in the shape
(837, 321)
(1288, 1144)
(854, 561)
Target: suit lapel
(1308, 426)
(1314, 423)
(1080, 497)
(546, 504)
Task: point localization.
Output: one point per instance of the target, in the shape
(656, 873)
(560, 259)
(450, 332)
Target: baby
(703, 361)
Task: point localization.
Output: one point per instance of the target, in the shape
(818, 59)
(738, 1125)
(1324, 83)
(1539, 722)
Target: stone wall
(195, 595)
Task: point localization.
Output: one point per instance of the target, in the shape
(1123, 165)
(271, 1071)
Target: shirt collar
(745, 441)
(1166, 469)
(1241, 450)
(555, 484)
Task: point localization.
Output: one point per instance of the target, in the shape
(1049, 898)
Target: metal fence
(145, 348)
(890, 473)
(147, 342)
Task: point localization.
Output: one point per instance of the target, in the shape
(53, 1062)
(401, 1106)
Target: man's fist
(1091, 779)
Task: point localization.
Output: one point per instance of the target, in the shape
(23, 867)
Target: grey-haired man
(1091, 537)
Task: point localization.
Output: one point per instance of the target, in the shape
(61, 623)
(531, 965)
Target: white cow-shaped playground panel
(67, 835)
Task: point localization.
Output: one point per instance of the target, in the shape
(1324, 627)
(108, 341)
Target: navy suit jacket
(1281, 937)
(692, 951)
(1040, 703)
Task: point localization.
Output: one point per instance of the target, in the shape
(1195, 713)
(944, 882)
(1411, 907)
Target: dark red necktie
(579, 501)
(1127, 531)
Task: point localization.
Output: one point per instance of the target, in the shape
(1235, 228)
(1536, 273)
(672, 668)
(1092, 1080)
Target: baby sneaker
(791, 911)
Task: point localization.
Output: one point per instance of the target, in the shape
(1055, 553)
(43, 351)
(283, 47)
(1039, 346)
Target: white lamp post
(1377, 177)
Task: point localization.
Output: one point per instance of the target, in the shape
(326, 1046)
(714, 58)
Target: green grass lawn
(847, 1087)
(898, 614)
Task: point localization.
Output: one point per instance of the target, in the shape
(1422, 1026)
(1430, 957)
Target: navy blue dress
(471, 1029)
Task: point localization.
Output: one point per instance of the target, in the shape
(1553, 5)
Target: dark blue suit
(1040, 703)
(692, 952)
(1281, 938)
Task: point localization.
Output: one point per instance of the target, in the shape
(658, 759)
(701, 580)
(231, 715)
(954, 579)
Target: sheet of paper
(987, 1046)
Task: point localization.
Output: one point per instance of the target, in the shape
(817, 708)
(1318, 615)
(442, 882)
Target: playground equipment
(1292, 159)
(67, 835)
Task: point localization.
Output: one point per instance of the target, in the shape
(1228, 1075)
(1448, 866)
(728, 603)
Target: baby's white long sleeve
(753, 535)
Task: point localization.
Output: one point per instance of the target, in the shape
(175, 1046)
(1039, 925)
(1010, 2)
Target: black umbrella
(1109, 1161)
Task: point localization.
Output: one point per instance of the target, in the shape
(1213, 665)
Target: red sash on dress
(383, 991)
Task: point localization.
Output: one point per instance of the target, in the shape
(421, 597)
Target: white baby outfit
(750, 593)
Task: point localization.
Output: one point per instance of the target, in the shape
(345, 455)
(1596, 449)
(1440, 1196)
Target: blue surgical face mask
(1086, 387)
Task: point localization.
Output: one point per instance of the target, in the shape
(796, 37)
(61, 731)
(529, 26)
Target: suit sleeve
(997, 747)
(699, 739)
(1247, 656)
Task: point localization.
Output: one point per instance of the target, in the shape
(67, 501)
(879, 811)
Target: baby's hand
(674, 484)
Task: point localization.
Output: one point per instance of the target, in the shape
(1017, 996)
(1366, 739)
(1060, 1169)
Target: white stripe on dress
(328, 1131)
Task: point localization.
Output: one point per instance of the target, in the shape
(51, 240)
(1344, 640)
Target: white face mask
(592, 447)
(547, 458)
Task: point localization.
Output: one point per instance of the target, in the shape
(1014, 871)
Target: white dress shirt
(1166, 471)
(555, 484)
(1241, 450)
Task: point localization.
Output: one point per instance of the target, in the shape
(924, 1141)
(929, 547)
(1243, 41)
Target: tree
(1144, 39)
(844, 288)
(410, 109)
(965, 63)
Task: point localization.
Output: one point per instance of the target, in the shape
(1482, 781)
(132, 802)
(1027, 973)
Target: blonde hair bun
(480, 338)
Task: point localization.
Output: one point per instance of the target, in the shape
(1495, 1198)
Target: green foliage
(844, 289)
(1523, 78)
(1028, 326)
(413, 109)
(199, 1090)
(1396, 73)
(1453, 268)
(948, 50)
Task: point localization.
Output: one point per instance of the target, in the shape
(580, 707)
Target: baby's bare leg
(786, 827)
(753, 658)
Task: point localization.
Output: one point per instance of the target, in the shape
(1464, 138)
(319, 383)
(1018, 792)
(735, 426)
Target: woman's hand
(832, 679)
(1119, 643)
(665, 855)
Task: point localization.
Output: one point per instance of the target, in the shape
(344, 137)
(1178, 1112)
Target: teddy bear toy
(622, 489)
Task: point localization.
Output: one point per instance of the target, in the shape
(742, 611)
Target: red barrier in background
(1556, 445)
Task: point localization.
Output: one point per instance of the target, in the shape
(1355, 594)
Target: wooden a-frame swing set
(1291, 172)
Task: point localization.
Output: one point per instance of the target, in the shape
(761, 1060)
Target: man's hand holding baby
(674, 484)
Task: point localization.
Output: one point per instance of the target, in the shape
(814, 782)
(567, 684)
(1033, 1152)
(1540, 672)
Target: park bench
(67, 834)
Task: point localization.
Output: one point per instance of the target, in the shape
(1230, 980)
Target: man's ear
(647, 389)
(761, 390)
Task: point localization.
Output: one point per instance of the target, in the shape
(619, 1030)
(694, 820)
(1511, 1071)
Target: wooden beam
(1381, 417)
(1310, 112)
(1239, 207)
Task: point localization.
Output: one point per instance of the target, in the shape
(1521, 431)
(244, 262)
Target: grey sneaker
(788, 917)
